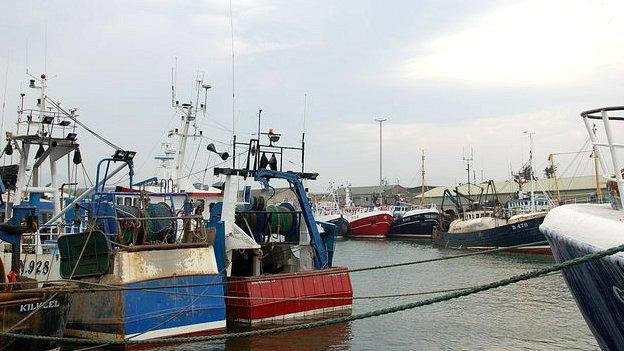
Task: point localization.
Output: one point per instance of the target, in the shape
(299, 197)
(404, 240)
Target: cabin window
(127, 201)
(134, 201)
(119, 201)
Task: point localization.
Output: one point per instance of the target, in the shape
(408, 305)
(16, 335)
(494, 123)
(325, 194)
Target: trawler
(25, 306)
(29, 256)
(417, 223)
(580, 229)
(123, 237)
(278, 259)
(489, 225)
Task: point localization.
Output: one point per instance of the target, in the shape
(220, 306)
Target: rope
(52, 296)
(311, 273)
(173, 315)
(73, 118)
(369, 297)
(379, 312)
(207, 168)
(195, 157)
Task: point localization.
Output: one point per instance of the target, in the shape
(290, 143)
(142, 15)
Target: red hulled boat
(277, 257)
(374, 224)
(289, 295)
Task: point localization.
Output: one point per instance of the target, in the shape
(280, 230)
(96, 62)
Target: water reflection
(333, 337)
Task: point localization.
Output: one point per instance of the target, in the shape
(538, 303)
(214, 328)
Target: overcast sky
(448, 75)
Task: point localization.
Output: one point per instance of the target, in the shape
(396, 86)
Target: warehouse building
(563, 190)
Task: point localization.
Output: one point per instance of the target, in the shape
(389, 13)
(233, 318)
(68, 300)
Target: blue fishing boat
(580, 229)
(148, 241)
(488, 225)
(162, 277)
(509, 234)
(146, 252)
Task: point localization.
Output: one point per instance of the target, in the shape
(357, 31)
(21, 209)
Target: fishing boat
(330, 212)
(160, 269)
(371, 224)
(580, 229)
(278, 259)
(26, 307)
(146, 251)
(342, 226)
(487, 225)
(364, 222)
(418, 223)
(51, 131)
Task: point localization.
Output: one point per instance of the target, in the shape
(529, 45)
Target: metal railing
(602, 114)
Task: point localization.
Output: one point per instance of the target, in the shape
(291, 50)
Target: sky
(449, 76)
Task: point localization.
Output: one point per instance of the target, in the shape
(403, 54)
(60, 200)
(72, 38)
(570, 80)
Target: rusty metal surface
(138, 248)
(129, 267)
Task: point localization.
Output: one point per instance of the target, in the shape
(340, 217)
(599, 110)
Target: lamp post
(380, 120)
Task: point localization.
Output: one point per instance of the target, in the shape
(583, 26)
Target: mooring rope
(108, 287)
(379, 312)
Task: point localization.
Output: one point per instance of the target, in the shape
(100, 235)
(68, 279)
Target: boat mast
(422, 179)
(24, 148)
(381, 183)
(531, 176)
(42, 121)
(553, 167)
(468, 160)
(348, 202)
(189, 113)
(41, 102)
(182, 140)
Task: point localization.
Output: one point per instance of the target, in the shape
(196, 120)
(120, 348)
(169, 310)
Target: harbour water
(539, 314)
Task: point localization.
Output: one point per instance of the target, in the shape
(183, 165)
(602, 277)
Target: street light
(380, 120)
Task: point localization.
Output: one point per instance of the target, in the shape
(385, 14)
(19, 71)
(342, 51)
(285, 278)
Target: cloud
(530, 42)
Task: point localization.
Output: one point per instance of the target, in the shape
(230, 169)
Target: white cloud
(529, 42)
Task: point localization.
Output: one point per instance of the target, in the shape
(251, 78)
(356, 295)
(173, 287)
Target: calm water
(536, 314)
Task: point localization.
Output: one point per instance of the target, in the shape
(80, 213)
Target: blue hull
(520, 233)
(144, 314)
(598, 287)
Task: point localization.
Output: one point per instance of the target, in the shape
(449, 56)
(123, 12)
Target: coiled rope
(379, 312)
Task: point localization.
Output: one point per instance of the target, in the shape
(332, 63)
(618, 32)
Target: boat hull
(49, 320)
(597, 285)
(419, 226)
(376, 225)
(167, 292)
(520, 233)
(342, 227)
(151, 309)
(288, 295)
